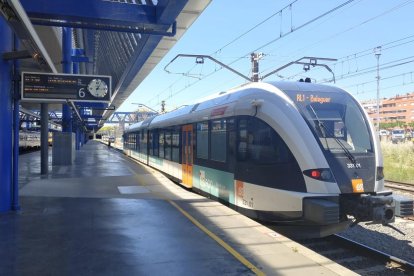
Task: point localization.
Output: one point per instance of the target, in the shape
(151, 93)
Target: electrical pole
(377, 52)
(162, 106)
(254, 58)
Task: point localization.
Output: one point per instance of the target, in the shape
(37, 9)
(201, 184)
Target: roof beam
(19, 22)
(168, 12)
(95, 14)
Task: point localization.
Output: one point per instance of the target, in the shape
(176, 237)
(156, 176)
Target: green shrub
(398, 161)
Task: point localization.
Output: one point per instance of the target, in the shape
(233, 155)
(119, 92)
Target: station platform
(108, 215)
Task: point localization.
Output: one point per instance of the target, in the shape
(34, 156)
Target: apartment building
(398, 108)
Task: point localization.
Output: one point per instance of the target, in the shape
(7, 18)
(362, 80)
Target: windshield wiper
(326, 131)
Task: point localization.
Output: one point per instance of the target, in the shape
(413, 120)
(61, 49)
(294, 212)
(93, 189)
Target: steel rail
(372, 252)
(399, 186)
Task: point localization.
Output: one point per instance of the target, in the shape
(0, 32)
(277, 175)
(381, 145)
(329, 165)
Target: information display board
(45, 87)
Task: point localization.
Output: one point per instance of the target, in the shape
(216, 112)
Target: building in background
(392, 110)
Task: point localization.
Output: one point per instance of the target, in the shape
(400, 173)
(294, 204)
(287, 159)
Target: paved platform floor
(107, 215)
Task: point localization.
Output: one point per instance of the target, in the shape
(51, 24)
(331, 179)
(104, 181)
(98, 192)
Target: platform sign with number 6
(45, 87)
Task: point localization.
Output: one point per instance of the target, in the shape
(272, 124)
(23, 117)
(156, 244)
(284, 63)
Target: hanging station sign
(45, 87)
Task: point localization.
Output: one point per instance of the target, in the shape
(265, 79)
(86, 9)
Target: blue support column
(44, 143)
(67, 68)
(16, 125)
(76, 68)
(6, 118)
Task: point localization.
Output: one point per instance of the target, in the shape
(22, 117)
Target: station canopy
(124, 39)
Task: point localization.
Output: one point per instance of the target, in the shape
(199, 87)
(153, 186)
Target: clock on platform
(98, 88)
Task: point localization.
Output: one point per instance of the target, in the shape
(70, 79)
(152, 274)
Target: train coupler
(370, 208)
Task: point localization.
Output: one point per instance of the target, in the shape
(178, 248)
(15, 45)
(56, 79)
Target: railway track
(399, 186)
(358, 257)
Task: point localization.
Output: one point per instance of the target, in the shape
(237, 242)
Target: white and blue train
(292, 153)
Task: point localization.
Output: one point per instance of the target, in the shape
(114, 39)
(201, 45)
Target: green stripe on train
(155, 161)
(217, 183)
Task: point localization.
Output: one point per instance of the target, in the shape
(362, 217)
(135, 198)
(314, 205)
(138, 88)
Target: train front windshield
(336, 119)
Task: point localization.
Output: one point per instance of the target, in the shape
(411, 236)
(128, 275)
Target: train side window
(144, 142)
(176, 146)
(260, 144)
(161, 143)
(218, 140)
(135, 141)
(202, 140)
(155, 142)
(242, 144)
(151, 143)
(167, 145)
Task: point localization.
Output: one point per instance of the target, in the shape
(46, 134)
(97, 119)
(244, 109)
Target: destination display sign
(45, 87)
(312, 98)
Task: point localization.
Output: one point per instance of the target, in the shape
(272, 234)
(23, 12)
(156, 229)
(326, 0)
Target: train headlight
(326, 175)
(320, 174)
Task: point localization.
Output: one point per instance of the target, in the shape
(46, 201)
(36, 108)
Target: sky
(285, 31)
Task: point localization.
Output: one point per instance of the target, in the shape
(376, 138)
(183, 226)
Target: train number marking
(353, 166)
(248, 203)
(240, 195)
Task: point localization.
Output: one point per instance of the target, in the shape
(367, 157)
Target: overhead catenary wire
(360, 54)
(394, 8)
(229, 43)
(304, 25)
(270, 42)
(382, 79)
(372, 69)
(384, 88)
(257, 25)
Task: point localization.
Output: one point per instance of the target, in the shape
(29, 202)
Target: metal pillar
(67, 68)
(16, 127)
(254, 58)
(75, 68)
(77, 126)
(6, 118)
(77, 138)
(377, 52)
(44, 143)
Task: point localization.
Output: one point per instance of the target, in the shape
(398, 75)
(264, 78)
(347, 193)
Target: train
(30, 140)
(298, 155)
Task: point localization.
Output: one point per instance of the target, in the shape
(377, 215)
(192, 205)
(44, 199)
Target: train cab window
(167, 145)
(175, 146)
(202, 140)
(218, 140)
(161, 144)
(260, 144)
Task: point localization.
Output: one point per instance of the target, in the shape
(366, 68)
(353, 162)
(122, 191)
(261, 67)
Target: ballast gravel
(385, 238)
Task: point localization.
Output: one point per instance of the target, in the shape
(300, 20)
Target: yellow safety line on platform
(230, 249)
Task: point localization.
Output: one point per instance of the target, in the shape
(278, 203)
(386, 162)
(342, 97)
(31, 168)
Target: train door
(187, 155)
